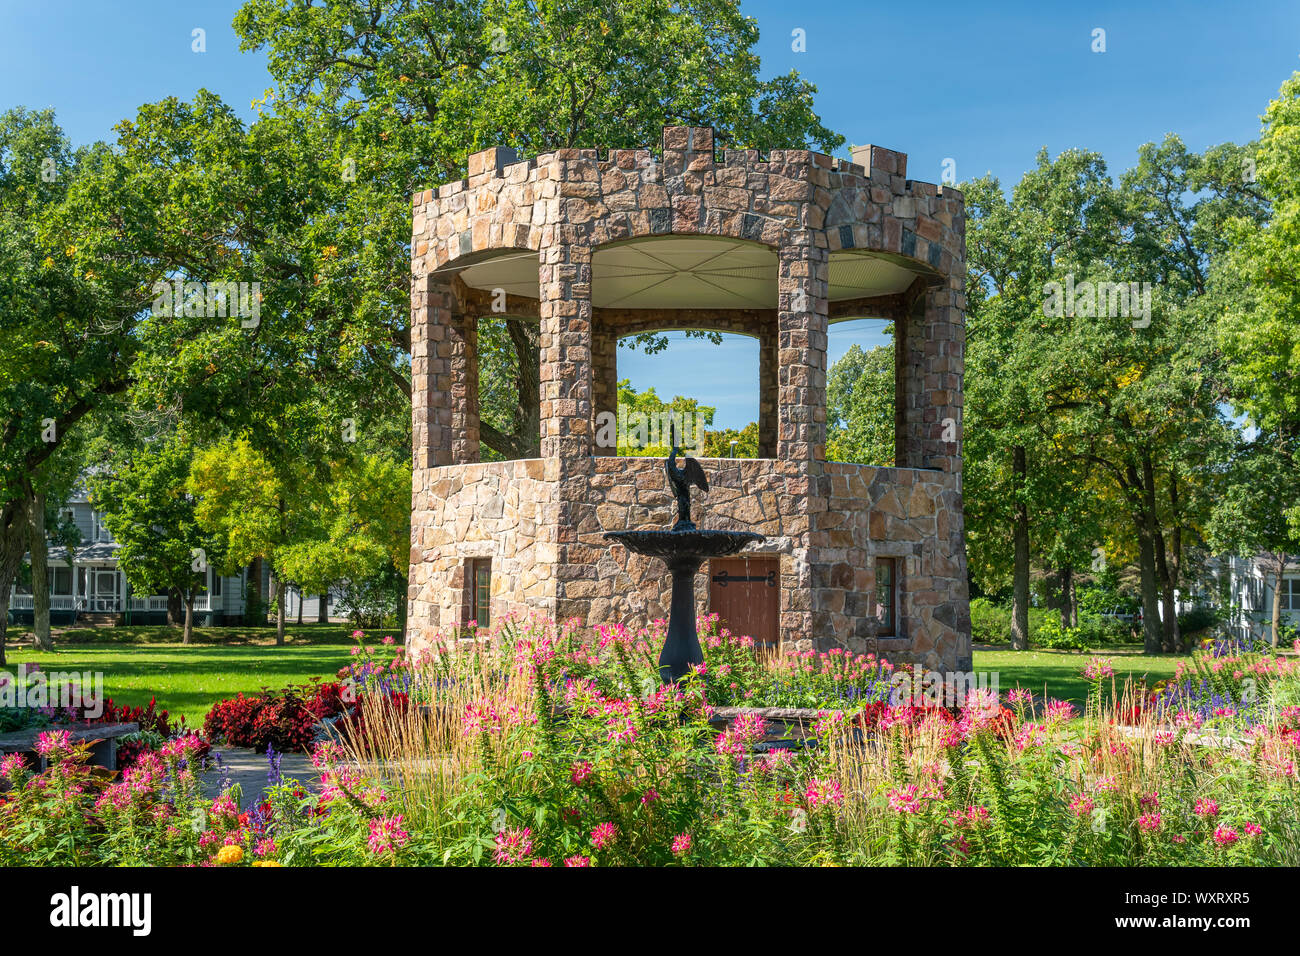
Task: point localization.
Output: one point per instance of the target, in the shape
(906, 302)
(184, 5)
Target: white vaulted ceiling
(694, 272)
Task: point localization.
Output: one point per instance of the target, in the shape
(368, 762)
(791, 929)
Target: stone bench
(103, 738)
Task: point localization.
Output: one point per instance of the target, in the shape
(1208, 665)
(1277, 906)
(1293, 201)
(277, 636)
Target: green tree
(860, 419)
(150, 513)
(72, 290)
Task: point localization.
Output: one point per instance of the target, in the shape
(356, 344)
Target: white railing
(103, 605)
(27, 602)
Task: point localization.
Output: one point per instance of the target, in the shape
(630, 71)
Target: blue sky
(984, 84)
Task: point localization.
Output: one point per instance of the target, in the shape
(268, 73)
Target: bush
(285, 719)
(1200, 618)
(989, 623)
(1050, 634)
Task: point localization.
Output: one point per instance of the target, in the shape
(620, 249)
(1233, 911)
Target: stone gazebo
(596, 247)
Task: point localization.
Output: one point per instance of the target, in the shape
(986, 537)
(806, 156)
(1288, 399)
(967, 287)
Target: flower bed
(533, 749)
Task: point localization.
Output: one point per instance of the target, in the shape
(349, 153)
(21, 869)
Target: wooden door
(745, 592)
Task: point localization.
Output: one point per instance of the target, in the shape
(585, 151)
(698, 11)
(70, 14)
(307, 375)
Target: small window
(60, 580)
(1291, 594)
(887, 595)
(480, 590)
(216, 585)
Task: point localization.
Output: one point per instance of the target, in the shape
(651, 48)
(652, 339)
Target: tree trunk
(254, 611)
(189, 617)
(277, 588)
(1074, 602)
(1169, 630)
(1020, 607)
(40, 573)
(175, 607)
(1147, 531)
(1067, 600)
(302, 599)
(1277, 599)
(323, 609)
(4, 622)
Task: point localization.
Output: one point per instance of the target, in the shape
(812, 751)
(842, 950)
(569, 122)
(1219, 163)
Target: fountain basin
(684, 542)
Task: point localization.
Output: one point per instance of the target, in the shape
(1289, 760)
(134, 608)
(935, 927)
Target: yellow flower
(49, 262)
(267, 863)
(230, 855)
(329, 252)
(71, 251)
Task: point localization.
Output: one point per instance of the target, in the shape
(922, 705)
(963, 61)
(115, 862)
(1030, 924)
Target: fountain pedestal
(683, 549)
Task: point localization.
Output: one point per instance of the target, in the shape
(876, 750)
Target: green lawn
(1059, 671)
(143, 662)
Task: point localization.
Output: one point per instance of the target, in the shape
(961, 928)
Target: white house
(93, 589)
(1247, 584)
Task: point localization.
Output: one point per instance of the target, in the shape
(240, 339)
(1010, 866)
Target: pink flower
(387, 835)
(821, 792)
(13, 767)
(904, 800)
(540, 861)
(604, 835)
(1150, 822)
(580, 772)
(1099, 668)
(1082, 806)
(577, 861)
(51, 743)
(1020, 696)
(264, 848)
(1151, 800)
(1253, 829)
(1206, 808)
(681, 844)
(387, 642)
(513, 846)
(650, 796)
(1057, 711)
(1226, 835)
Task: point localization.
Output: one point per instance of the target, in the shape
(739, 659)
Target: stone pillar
(801, 349)
(604, 360)
(929, 382)
(566, 351)
(444, 379)
(767, 389)
(943, 366)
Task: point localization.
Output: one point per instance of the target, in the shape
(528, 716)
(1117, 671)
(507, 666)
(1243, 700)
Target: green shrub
(1200, 618)
(1050, 634)
(989, 623)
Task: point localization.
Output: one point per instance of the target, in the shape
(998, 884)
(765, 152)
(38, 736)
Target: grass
(140, 663)
(1059, 672)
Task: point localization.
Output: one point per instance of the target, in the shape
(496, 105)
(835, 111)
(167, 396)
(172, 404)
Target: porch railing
(103, 605)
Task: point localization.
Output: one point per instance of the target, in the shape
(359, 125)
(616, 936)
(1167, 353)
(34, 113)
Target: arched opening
(706, 383)
(861, 392)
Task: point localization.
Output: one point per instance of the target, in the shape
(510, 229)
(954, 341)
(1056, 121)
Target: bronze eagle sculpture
(681, 479)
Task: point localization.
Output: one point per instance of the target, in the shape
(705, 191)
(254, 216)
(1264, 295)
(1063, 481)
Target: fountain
(683, 548)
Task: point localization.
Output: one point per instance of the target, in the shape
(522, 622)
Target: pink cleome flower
(1225, 835)
(681, 844)
(904, 800)
(1253, 829)
(53, 742)
(513, 846)
(604, 835)
(1149, 822)
(581, 772)
(577, 861)
(387, 835)
(821, 792)
(1082, 806)
(1206, 808)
